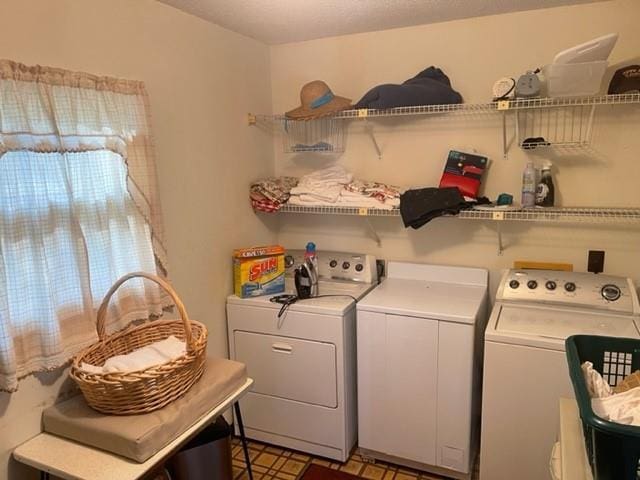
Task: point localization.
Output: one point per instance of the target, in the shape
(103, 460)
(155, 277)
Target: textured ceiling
(282, 21)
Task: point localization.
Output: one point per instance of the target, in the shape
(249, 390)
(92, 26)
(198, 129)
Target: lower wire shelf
(546, 214)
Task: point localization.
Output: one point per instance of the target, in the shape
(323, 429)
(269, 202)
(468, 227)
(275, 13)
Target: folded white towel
(336, 175)
(87, 367)
(325, 184)
(362, 201)
(325, 193)
(157, 353)
(596, 385)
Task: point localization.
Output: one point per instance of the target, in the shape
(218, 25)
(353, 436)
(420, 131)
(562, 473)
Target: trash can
(206, 457)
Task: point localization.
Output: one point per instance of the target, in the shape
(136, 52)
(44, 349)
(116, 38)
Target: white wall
(202, 80)
(474, 53)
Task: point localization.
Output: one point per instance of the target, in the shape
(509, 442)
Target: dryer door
(289, 368)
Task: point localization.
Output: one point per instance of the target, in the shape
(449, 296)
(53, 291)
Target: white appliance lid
(425, 299)
(438, 273)
(337, 303)
(525, 321)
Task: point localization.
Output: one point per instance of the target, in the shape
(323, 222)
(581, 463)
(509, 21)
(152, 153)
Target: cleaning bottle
(311, 260)
(529, 186)
(545, 191)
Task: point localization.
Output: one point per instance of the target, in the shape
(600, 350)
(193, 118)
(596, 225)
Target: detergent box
(258, 271)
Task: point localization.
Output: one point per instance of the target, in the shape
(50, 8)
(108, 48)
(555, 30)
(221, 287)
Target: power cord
(286, 300)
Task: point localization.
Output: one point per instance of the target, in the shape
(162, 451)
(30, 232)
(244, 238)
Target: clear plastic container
(574, 79)
(529, 186)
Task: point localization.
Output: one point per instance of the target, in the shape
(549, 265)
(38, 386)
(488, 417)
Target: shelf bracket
(592, 114)
(505, 147)
(372, 231)
(369, 128)
(503, 106)
(500, 244)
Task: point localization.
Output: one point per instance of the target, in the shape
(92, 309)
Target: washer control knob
(359, 267)
(333, 263)
(532, 284)
(551, 285)
(346, 265)
(514, 284)
(611, 292)
(570, 287)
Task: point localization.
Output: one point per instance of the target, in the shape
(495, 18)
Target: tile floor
(275, 463)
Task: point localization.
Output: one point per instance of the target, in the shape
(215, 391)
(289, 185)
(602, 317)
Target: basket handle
(102, 310)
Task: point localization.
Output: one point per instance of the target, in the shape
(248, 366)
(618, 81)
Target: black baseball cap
(625, 80)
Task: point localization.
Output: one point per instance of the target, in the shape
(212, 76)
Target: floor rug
(318, 472)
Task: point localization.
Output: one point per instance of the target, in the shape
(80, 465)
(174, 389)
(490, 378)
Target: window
(78, 210)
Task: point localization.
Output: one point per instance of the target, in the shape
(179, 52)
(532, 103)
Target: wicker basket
(146, 390)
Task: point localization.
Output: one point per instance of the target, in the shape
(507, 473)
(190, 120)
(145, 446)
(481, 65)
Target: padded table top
(138, 437)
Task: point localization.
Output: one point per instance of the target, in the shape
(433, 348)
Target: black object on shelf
(534, 142)
(205, 457)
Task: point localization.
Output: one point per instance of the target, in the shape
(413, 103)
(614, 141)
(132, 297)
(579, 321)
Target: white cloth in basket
(596, 385)
(620, 407)
(149, 356)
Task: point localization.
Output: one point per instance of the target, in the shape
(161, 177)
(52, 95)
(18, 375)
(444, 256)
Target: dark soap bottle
(545, 191)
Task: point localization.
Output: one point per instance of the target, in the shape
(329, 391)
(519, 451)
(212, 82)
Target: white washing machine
(525, 370)
(419, 354)
(303, 363)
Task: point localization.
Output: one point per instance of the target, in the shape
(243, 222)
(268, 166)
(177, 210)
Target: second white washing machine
(525, 368)
(419, 357)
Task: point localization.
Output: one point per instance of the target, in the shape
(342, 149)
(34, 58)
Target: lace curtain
(78, 209)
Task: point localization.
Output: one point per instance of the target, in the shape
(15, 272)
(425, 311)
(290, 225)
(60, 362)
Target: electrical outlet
(595, 261)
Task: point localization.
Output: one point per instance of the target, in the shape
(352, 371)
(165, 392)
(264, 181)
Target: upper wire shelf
(548, 214)
(472, 108)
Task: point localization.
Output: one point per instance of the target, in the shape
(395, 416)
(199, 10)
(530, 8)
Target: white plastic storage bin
(574, 79)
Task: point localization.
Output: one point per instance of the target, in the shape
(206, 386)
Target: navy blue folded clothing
(429, 87)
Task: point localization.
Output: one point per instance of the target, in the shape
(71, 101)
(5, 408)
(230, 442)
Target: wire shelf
(354, 211)
(558, 214)
(553, 214)
(471, 108)
(569, 126)
(529, 103)
(324, 135)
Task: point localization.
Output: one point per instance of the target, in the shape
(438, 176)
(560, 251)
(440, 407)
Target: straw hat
(317, 100)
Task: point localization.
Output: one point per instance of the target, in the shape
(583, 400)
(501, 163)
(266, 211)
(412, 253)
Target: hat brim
(335, 105)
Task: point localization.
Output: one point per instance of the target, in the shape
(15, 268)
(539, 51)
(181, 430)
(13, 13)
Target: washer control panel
(355, 267)
(578, 289)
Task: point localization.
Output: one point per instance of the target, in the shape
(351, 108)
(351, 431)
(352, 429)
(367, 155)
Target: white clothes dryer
(303, 362)
(525, 369)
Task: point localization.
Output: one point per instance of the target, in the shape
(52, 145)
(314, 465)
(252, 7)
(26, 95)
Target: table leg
(44, 475)
(243, 439)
